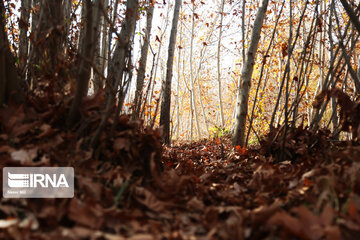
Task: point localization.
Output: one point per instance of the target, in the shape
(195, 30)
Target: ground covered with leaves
(302, 186)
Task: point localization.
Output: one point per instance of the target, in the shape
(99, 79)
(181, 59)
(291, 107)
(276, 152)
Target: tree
(166, 97)
(194, 111)
(50, 34)
(24, 25)
(143, 59)
(246, 74)
(10, 82)
(218, 63)
(119, 64)
(87, 49)
(101, 48)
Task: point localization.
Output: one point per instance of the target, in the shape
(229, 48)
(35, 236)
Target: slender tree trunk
(53, 18)
(178, 86)
(110, 33)
(243, 54)
(47, 41)
(104, 46)
(67, 5)
(158, 56)
(193, 98)
(86, 58)
(24, 26)
(101, 47)
(32, 82)
(334, 118)
(219, 64)
(143, 60)
(166, 97)
(246, 74)
(118, 65)
(10, 83)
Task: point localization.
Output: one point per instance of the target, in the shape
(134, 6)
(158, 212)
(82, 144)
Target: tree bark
(118, 65)
(86, 58)
(193, 97)
(51, 31)
(166, 97)
(219, 64)
(143, 60)
(101, 46)
(246, 74)
(23, 39)
(10, 83)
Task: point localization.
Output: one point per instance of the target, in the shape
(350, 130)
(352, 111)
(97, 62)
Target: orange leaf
(307, 182)
(352, 210)
(239, 149)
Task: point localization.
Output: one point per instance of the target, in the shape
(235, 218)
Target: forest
(181, 119)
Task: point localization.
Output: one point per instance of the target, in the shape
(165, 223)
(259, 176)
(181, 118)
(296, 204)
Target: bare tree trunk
(47, 41)
(143, 60)
(101, 47)
(166, 97)
(178, 86)
(193, 98)
(334, 118)
(243, 54)
(118, 65)
(104, 46)
(240, 122)
(32, 82)
(219, 64)
(67, 18)
(24, 26)
(86, 57)
(53, 18)
(262, 73)
(10, 83)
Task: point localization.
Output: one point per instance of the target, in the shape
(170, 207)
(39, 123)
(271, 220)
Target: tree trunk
(24, 26)
(47, 41)
(30, 71)
(86, 58)
(240, 122)
(193, 98)
(143, 60)
(51, 32)
(10, 83)
(166, 97)
(101, 47)
(219, 64)
(104, 47)
(118, 65)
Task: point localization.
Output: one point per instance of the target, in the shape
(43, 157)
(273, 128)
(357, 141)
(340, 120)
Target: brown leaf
(327, 215)
(120, 144)
(149, 200)
(87, 214)
(289, 223)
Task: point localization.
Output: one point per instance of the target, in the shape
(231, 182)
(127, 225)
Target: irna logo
(38, 182)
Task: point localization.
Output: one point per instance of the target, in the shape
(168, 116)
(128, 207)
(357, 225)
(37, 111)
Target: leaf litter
(133, 187)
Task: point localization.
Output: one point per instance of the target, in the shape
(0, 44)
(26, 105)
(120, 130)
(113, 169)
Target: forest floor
(133, 187)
